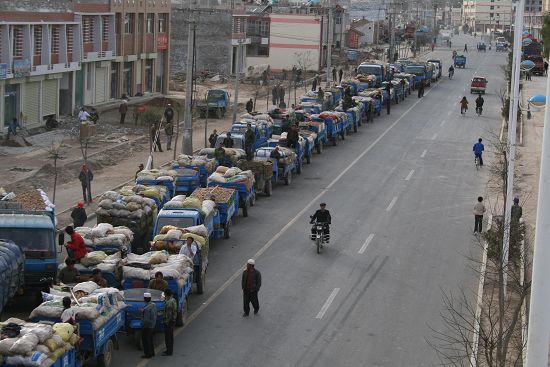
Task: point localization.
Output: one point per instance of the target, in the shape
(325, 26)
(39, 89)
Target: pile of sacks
(205, 207)
(195, 160)
(125, 205)
(261, 118)
(171, 238)
(144, 267)
(287, 155)
(234, 174)
(88, 301)
(12, 261)
(319, 124)
(35, 345)
(155, 175)
(98, 260)
(105, 234)
(156, 192)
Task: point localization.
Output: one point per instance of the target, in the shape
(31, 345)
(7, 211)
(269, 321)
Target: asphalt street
(401, 193)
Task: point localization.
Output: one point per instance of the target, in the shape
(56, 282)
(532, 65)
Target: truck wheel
(181, 317)
(105, 359)
(308, 159)
(288, 178)
(320, 147)
(227, 230)
(268, 187)
(245, 208)
(219, 113)
(137, 339)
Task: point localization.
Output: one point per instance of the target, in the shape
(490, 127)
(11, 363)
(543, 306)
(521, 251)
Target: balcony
(54, 68)
(99, 55)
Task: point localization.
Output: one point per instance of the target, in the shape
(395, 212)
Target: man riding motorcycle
(479, 104)
(321, 216)
(451, 71)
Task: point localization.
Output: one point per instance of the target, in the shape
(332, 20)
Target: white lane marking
(409, 175)
(366, 244)
(424, 153)
(479, 299)
(327, 303)
(276, 237)
(442, 123)
(392, 203)
(434, 136)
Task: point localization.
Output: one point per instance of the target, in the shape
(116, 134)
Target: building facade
(456, 17)
(485, 15)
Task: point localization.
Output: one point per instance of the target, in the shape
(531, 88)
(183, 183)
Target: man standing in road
(86, 176)
(249, 140)
(169, 113)
(388, 102)
(148, 322)
(479, 210)
(282, 96)
(170, 313)
(334, 80)
(546, 68)
(251, 282)
(340, 74)
(123, 109)
(249, 105)
(478, 151)
(228, 141)
(78, 215)
(421, 89)
(155, 137)
(275, 95)
(212, 138)
(169, 130)
(314, 84)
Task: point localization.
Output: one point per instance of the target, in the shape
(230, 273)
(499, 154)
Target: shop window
(150, 27)
(129, 23)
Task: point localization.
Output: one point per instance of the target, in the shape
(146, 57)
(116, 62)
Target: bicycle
(479, 109)
(476, 161)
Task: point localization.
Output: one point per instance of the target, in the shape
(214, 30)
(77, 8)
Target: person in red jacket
(75, 247)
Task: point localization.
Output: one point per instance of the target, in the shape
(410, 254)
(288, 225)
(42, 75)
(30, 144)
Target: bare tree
(54, 153)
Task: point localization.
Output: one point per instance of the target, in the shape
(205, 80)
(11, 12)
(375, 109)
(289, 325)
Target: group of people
(464, 105)
(278, 96)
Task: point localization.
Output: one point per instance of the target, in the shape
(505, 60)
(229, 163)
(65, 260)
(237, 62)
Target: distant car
(481, 46)
(478, 85)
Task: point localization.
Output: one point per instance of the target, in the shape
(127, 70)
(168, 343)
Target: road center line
(409, 175)
(424, 153)
(392, 203)
(366, 244)
(327, 303)
(276, 237)
(434, 136)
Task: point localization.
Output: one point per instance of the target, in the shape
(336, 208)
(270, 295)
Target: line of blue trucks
(322, 121)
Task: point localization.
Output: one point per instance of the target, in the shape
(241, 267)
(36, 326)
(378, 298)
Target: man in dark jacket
(249, 105)
(79, 215)
(292, 137)
(275, 95)
(148, 323)
(249, 140)
(282, 97)
(169, 130)
(155, 137)
(388, 102)
(321, 216)
(123, 109)
(228, 141)
(169, 113)
(86, 176)
(212, 138)
(251, 283)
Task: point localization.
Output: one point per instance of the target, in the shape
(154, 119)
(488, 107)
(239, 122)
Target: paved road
(400, 192)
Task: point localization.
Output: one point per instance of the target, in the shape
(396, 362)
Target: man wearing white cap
(251, 283)
(148, 322)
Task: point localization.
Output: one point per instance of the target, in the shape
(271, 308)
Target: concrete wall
(34, 5)
(213, 41)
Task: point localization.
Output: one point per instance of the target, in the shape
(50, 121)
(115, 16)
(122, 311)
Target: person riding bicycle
(478, 150)
(321, 216)
(451, 71)
(479, 103)
(463, 105)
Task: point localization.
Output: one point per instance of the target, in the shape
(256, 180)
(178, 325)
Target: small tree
(54, 153)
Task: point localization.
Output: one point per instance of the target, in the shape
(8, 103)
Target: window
(55, 39)
(37, 36)
(162, 23)
(264, 28)
(88, 29)
(129, 23)
(491, 15)
(17, 41)
(106, 28)
(492, 7)
(150, 27)
(70, 39)
(140, 23)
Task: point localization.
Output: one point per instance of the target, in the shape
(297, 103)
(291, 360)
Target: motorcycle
(479, 110)
(319, 235)
(451, 73)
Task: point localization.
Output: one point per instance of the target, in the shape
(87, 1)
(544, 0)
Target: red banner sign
(162, 41)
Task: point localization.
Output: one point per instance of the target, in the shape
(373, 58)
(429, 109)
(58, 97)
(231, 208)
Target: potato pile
(218, 194)
(33, 200)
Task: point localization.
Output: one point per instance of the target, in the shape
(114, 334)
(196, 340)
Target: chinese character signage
(162, 41)
(21, 68)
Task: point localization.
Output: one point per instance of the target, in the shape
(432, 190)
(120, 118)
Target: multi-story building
(533, 17)
(456, 17)
(485, 15)
(142, 29)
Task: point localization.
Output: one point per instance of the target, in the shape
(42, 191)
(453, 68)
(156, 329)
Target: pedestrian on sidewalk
(281, 93)
(340, 74)
(170, 313)
(213, 138)
(249, 105)
(148, 323)
(123, 109)
(251, 282)
(479, 210)
(169, 113)
(79, 215)
(12, 127)
(546, 68)
(86, 176)
(334, 80)
(140, 168)
(465, 47)
(314, 84)
(169, 130)
(155, 137)
(275, 95)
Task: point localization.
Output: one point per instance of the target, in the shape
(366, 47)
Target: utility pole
(237, 79)
(329, 45)
(512, 122)
(187, 143)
